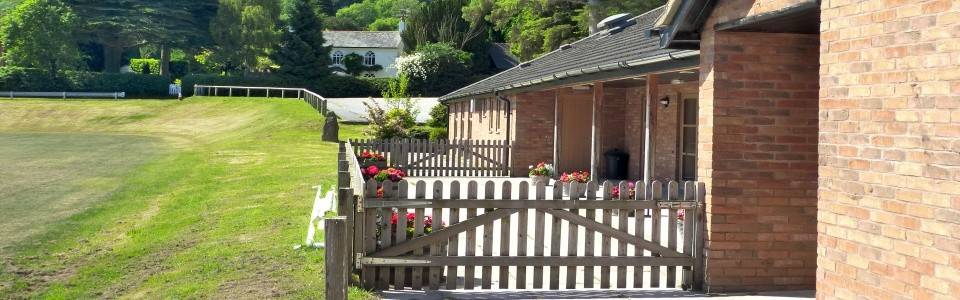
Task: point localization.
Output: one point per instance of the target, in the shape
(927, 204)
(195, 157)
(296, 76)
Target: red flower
(681, 214)
(372, 170)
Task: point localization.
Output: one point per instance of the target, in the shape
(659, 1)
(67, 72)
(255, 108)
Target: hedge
(34, 80)
(178, 68)
(332, 87)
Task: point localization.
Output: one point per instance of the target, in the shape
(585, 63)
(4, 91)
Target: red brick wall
(534, 119)
(758, 158)
(889, 150)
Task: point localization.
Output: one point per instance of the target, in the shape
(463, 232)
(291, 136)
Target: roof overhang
(800, 18)
(680, 27)
(656, 64)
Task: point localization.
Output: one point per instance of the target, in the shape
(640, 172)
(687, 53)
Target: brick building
(827, 133)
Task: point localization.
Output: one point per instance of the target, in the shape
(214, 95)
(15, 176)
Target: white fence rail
(318, 102)
(63, 95)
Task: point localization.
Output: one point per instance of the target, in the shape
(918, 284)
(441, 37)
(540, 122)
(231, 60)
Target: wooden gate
(426, 158)
(509, 234)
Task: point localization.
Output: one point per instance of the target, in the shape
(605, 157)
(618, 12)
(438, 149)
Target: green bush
(179, 68)
(438, 133)
(145, 66)
(34, 80)
(420, 132)
(331, 86)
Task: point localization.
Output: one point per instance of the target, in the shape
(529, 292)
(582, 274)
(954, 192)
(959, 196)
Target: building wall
(757, 154)
(385, 57)
(666, 129)
(889, 197)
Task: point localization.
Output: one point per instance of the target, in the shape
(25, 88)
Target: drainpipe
(506, 139)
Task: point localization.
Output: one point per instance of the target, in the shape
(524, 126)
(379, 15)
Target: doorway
(574, 132)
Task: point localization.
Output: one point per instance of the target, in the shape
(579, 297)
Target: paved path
(353, 110)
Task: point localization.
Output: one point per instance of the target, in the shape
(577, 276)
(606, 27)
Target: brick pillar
(758, 158)
(533, 135)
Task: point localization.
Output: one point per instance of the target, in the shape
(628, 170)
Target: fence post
(230, 91)
(248, 92)
(268, 93)
(335, 258)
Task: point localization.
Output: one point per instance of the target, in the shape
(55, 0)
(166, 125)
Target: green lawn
(160, 199)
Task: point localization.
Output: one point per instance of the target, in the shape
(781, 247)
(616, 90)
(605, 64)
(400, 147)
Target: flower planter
(379, 163)
(534, 180)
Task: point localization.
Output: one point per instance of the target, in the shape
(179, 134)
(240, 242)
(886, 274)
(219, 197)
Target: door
(574, 121)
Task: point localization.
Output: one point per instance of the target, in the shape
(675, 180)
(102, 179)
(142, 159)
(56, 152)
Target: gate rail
(469, 234)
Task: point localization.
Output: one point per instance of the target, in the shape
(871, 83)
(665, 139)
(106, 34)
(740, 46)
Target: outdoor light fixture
(665, 101)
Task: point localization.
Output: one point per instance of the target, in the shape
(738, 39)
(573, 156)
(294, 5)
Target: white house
(376, 47)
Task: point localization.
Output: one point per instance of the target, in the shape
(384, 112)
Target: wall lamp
(665, 101)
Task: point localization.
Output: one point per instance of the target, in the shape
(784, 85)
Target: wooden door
(575, 118)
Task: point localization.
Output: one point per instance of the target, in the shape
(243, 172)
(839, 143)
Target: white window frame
(369, 58)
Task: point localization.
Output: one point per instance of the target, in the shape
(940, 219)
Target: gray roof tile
(362, 39)
(599, 49)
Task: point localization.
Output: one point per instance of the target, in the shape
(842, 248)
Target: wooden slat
(386, 235)
(640, 195)
(572, 237)
(656, 193)
(611, 232)
(417, 273)
(471, 243)
(538, 261)
(400, 235)
(523, 193)
(538, 236)
(605, 244)
(589, 236)
(622, 225)
(555, 230)
(699, 273)
(437, 249)
(673, 190)
(368, 274)
(504, 237)
(453, 246)
(486, 281)
(689, 194)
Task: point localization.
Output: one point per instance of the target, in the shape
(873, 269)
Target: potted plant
(578, 176)
(367, 158)
(541, 173)
(381, 175)
(632, 187)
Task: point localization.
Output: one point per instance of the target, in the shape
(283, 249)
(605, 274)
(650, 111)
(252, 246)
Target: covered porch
(649, 119)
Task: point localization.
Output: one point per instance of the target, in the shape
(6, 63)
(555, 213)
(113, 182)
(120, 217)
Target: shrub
(34, 80)
(438, 116)
(436, 69)
(438, 133)
(421, 133)
(145, 66)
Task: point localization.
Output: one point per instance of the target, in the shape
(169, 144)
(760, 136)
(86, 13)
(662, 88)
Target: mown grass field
(204, 198)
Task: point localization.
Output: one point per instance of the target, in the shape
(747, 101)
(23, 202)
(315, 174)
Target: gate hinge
(356, 263)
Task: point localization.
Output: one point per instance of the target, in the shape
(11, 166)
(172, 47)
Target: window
(370, 58)
(337, 57)
(688, 140)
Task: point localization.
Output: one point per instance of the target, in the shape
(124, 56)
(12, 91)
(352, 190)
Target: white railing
(63, 95)
(318, 102)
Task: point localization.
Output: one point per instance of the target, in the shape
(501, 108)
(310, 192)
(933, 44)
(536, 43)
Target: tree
(115, 24)
(181, 24)
(377, 14)
(442, 21)
(244, 32)
(301, 54)
(39, 34)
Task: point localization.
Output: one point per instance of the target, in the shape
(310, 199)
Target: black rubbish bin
(615, 164)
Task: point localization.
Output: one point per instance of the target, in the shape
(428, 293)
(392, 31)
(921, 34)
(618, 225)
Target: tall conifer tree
(302, 55)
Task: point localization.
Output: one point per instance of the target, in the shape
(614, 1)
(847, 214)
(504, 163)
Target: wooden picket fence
(509, 234)
(426, 158)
